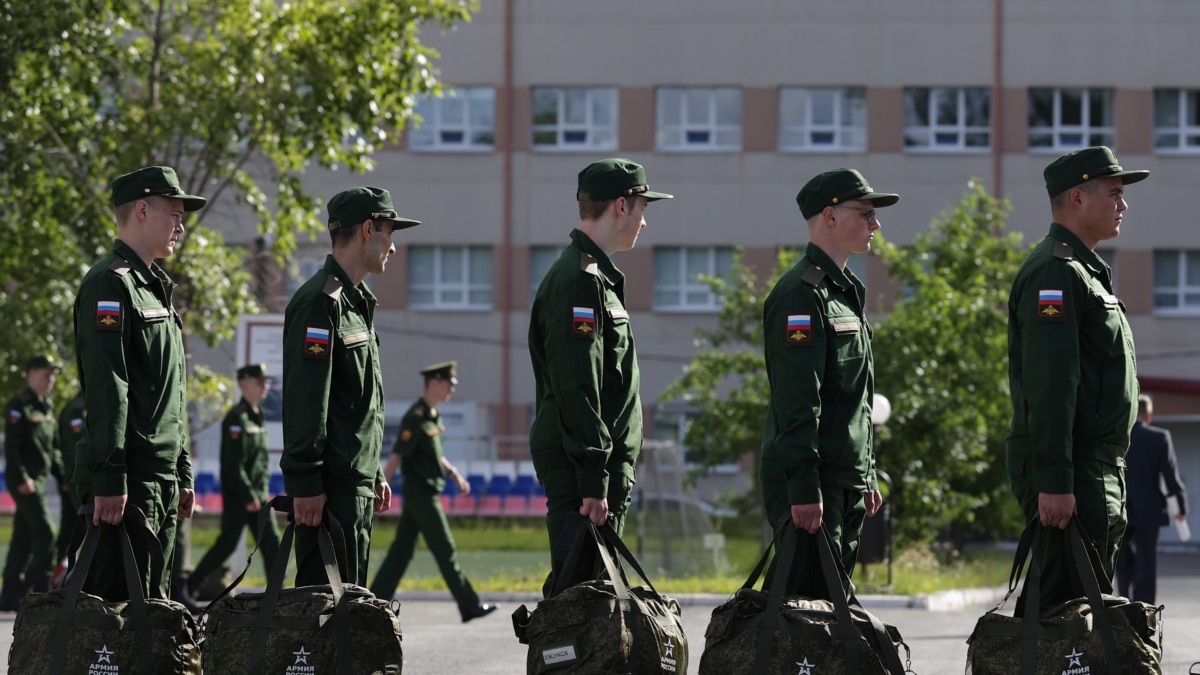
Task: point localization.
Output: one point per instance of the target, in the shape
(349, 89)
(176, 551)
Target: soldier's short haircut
(589, 210)
(1059, 200)
(345, 235)
(1145, 405)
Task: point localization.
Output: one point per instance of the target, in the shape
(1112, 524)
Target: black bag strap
(139, 614)
(267, 511)
(1085, 567)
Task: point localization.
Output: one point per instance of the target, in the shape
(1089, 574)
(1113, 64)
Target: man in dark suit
(1150, 456)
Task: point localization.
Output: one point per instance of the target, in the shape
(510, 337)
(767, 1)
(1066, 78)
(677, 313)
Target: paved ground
(435, 643)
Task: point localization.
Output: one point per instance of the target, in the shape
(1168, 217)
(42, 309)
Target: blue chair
(499, 486)
(275, 485)
(478, 483)
(525, 486)
(207, 484)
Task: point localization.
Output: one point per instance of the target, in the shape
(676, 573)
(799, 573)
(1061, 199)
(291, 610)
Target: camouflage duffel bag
(604, 626)
(1101, 634)
(761, 632)
(331, 628)
(69, 632)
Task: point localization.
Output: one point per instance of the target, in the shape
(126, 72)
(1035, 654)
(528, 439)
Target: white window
(699, 118)
(463, 118)
(826, 118)
(944, 119)
(450, 277)
(1177, 282)
(1066, 119)
(540, 260)
(677, 271)
(1177, 120)
(574, 118)
(303, 263)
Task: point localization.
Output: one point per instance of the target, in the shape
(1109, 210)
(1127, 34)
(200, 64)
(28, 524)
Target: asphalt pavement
(935, 628)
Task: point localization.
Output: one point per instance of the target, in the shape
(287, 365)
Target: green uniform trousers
(563, 499)
(1100, 502)
(843, 513)
(423, 515)
(158, 498)
(234, 517)
(66, 522)
(31, 552)
(354, 515)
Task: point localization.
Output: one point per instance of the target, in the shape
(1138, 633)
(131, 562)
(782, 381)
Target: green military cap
(252, 370)
(42, 361)
(446, 370)
(351, 207)
(835, 187)
(1080, 166)
(612, 178)
(151, 181)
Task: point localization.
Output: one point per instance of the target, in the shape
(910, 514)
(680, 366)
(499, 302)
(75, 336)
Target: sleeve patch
(235, 432)
(405, 435)
(316, 342)
(108, 315)
(14, 415)
(1050, 306)
(77, 424)
(799, 330)
(583, 322)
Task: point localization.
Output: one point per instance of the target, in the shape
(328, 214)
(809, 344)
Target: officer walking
(129, 347)
(1070, 350)
(817, 461)
(245, 479)
(333, 387)
(587, 433)
(418, 453)
(70, 430)
(31, 449)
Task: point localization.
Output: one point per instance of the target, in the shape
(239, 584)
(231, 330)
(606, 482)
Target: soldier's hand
(27, 488)
(596, 510)
(187, 503)
(383, 497)
(874, 501)
(308, 510)
(463, 486)
(253, 506)
(807, 516)
(109, 510)
(1056, 510)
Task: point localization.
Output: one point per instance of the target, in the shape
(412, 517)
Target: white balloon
(881, 409)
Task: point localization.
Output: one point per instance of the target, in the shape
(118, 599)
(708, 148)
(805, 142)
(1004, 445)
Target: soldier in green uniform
(424, 466)
(817, 460)
(129, 348)
(70, 430)
(1071, 370)
(333, 387)
(31, 449)
(587, 432)
(244, 478)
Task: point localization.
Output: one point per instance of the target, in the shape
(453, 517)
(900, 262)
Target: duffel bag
(1100, 634)
(68, 632)
(764, 632)
(332, 628)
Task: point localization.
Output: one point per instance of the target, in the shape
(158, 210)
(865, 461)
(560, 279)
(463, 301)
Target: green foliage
(727, 380)
(209, 396)
(941, 359)
(240, 96)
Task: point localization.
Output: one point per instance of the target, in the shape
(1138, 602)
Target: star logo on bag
(1073, 657)
(669, 649)
(806, 668)
(102, 654)
(301, 656)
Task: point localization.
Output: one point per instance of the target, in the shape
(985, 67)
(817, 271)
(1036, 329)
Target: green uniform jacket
(822, 375)
(129, 348)
(244, 455)
(420, 447)
(332, 388)
(30, 441)
(1071, 364)
(585, 367)
(70, 430)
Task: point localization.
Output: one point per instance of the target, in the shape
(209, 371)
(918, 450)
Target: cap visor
(191, 202)
(879, 198)
(403, 223)
(1128, 177)
(655, 196)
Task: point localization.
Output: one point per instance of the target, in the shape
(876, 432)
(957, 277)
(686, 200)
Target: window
(1177, 120)
(574, 118)
(947, 119)
(463, 118)
(822, 119)
(699, 118)
(1066, 119)
(677, 285)
(540, 260)
(305, 261)
(1177, 282)
(450, 277)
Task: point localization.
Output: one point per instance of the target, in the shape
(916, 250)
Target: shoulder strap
(1064, 251)
(813, 275)
(120, 266)
(333, 287)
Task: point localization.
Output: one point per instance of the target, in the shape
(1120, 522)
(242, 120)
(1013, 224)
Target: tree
(240, 96)
(941, 358)
(727, 380)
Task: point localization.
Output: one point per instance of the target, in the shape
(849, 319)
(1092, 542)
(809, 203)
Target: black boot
(179, 593)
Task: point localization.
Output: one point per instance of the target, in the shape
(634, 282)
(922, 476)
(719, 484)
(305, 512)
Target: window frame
(562, 127)
(1057, 128)
(683, 285)
(1182, 129)
(467, 127)
(438, 286)
(805, 128)
(714, 127)
(933, 128)
(1180, 290)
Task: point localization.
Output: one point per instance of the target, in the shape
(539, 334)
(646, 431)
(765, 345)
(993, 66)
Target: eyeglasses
(868, 215)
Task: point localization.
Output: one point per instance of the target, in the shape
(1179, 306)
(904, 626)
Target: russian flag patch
(1050, 304)
(583, 321)
(316, 342)
(108, 315)
(799, 329)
